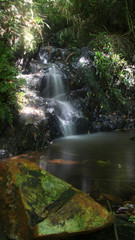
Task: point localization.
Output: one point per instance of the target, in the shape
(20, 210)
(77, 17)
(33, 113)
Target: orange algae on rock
(13, 216)
(36, 204)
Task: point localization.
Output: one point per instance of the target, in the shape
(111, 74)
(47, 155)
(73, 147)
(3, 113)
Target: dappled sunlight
(32, 111)
(29, 38)
(83, 61)
(28, 77)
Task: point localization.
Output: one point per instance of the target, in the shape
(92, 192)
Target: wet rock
(3, 153)
(132, 139)
(2, 233)
(125, 228)
(53, 125)
(40, 119)
(82, 125)
(36, 204)
(52, 54)
(31, 133)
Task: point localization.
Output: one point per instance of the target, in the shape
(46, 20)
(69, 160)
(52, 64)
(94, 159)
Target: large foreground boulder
(34, 204)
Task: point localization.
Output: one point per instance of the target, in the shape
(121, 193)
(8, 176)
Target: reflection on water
(101, 161)
(102, 164)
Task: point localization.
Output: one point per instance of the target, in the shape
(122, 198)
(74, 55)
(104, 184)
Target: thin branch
(114, 226)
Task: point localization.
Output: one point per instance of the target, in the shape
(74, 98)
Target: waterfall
(64, 114)
(54, 83)
(66, 119)
(55, 90)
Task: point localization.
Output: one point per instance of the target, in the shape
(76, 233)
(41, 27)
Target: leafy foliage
(19, 27)
(24, 24)
(113, 76)
(119, 44)
(18, 20)
(8, 84)
(85, 16)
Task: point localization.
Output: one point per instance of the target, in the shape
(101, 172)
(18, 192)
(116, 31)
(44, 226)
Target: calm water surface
(100, 164)
(94, 163)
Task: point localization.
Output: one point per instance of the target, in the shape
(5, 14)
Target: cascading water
(54, 83)
(49, 105)
(66, 119)
(55, 90)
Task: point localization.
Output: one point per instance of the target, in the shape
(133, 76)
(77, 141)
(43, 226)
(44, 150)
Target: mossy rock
(36, 204)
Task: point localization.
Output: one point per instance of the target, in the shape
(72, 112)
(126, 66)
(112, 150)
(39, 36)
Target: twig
(70, 55)
(115, 229)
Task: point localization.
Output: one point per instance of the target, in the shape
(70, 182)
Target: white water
(55, 85)
(66, 121)
(55, 88)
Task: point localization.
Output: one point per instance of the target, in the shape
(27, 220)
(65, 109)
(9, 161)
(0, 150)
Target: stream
(54, 90)
(100, 164)
(94, 162)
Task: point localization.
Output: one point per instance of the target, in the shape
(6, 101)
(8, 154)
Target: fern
(8, 84)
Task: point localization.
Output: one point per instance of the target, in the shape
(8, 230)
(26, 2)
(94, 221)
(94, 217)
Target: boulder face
(36, 204)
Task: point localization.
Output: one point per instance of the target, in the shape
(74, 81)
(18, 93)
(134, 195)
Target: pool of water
(101, 164)
(94, 163)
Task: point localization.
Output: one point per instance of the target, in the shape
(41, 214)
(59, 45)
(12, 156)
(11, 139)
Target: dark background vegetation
(105, 26)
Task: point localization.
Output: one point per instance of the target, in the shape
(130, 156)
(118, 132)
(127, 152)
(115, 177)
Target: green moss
(71, 222)
(45, 227)
(53, 187)
(77, 215)
(41, 192)
(48, 205)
